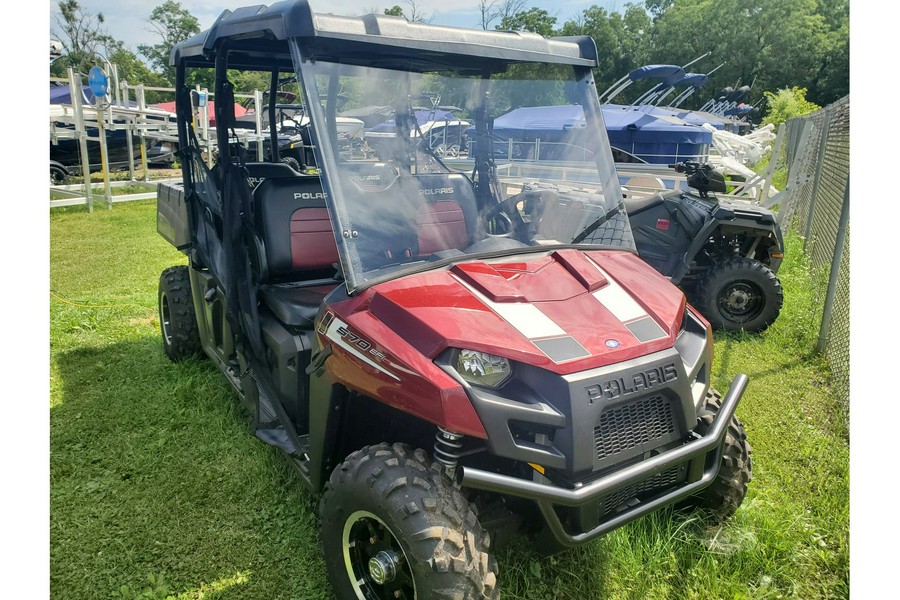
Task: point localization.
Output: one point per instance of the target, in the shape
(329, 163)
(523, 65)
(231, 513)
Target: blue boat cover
(422, 116)
(697, 80)
(740, 109)
(643, 134)
(669, 73)
(62, 94)
(691, 117)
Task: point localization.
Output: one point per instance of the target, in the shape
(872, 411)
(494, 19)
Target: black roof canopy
(254, 33)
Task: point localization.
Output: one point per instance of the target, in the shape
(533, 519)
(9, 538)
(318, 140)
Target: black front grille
(659, 482)
(625, 427)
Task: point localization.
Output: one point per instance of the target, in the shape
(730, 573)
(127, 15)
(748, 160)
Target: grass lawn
(158, 490)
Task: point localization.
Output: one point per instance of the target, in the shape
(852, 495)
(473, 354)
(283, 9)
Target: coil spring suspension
(447, 448)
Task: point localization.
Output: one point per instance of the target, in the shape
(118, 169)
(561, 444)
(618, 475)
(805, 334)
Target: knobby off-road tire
(292, 163)
(740, 294)
(390, 503)
(177, 320)
(729, 488)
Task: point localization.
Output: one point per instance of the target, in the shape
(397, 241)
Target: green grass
(157, 488)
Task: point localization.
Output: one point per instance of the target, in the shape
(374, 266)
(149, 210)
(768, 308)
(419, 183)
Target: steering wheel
(507, 213)
(523, 227)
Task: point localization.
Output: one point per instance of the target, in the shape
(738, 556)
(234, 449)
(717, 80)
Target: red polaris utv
(450, 352)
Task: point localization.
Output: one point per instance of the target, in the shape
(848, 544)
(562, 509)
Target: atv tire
(177, 320)
(393, 525)
(729, 488)
(740, 294)
(292, 163)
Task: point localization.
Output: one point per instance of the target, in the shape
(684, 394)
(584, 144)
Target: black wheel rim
(165, 317)
(741, 301)
(366, 537)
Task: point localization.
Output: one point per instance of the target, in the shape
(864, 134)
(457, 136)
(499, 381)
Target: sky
(127, 19)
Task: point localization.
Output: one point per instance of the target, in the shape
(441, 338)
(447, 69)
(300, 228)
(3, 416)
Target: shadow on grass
(155, 475)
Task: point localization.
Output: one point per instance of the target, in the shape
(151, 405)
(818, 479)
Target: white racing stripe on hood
(524, 317)
(617, 300)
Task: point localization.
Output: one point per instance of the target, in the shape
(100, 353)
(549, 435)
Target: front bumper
(699, 457)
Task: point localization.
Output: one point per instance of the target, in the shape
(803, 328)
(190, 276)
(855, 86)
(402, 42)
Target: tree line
(767, 44)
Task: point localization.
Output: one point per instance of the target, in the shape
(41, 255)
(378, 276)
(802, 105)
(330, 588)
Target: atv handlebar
(688, 167)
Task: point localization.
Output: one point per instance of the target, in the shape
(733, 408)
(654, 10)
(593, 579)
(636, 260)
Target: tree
(786, 104)
(416, 15)
(623, 40)
(494, 10)
(536, 20)
(769, 44)
(82, 35)
(173, 24)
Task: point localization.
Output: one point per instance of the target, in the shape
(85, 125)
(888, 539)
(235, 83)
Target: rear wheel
(177, 320)
(727, 491)
(740, 294)
(394, 526)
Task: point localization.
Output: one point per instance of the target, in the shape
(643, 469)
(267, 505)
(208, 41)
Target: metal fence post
(773, 162)
(81, 134)
(825, 327)
(820, 160)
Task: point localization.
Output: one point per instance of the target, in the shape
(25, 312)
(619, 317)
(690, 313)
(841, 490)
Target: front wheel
(741, 294)
(727, 491)
(177, 320)
(394, 526)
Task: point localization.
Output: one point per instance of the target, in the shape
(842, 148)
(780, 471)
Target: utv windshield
(462, 166)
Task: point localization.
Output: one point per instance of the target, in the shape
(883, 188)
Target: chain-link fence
(817, 206)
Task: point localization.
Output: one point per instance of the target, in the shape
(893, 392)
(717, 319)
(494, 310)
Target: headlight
(481, 368)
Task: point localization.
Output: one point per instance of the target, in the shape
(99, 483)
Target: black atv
(723, 253)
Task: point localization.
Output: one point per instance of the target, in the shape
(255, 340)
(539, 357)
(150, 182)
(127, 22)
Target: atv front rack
(701, 457)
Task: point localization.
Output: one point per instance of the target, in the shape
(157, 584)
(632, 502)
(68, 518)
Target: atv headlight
(481, 368)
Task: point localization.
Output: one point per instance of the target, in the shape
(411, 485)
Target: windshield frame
(326, 152)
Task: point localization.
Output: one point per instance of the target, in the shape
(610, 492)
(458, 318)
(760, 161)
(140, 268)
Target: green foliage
(152, 469)
(623, 40)
(536, 20)
(83, 36)
(768, 44)
(786, 104)
(394, 11)
(173, 24)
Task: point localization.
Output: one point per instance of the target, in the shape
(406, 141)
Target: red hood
(566, 312)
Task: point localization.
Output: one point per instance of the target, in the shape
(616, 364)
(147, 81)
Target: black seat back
(292, 221)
